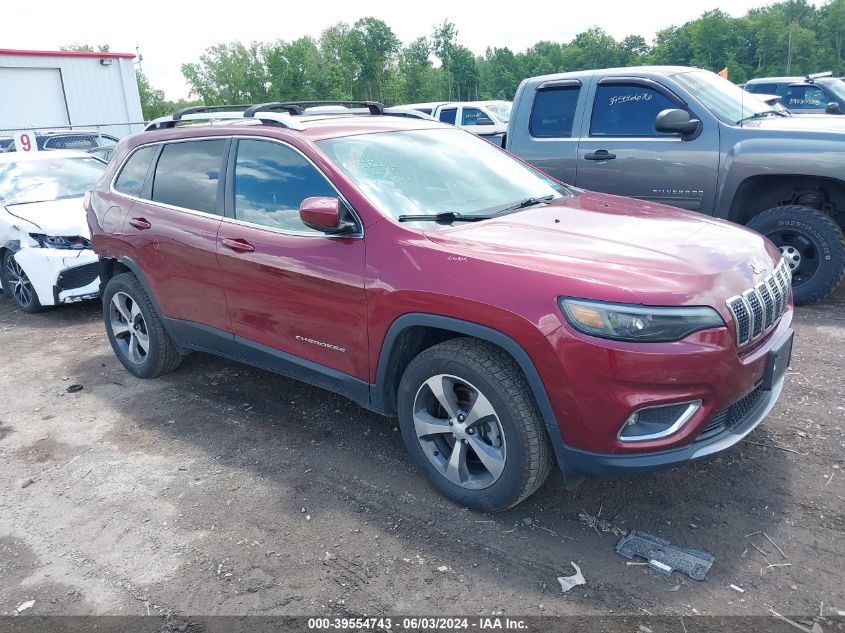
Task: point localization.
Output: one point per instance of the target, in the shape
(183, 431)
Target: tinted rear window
(187, 175)
(448, 116)
(553, 113)
(131, 179)
(763, 89)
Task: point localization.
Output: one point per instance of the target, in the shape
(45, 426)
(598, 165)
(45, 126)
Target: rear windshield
(26, 181)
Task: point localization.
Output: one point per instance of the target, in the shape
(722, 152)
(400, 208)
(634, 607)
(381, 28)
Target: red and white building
(46, 89)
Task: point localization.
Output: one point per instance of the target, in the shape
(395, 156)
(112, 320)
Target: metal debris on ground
(599, 525)
(74, 389)
(568, 582)
(664, 557)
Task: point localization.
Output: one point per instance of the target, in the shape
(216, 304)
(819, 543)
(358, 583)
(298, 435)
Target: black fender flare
(469, 328)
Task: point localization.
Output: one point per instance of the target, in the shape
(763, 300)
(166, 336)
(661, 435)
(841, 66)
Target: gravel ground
(221, 489)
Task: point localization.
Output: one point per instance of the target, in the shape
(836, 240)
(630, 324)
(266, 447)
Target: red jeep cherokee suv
(509, 320)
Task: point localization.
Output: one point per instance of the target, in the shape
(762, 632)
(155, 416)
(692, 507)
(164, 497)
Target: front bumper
(720, 434)
(61, 276)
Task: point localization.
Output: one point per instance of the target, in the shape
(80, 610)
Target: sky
(169, 34)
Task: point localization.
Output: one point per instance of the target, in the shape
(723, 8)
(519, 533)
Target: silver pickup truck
(689, 138)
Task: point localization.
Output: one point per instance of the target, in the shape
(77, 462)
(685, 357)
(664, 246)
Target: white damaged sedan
(45, 247)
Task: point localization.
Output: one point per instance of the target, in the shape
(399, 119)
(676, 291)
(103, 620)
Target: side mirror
(324, 214)
(483, 120)
(676, 121)
(833, 108)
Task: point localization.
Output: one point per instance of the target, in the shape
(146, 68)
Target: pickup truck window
(448, 115)
(469, 116)
(806, 98)
(553, 112)
(627, 110)
(724, 99)
(763, 89)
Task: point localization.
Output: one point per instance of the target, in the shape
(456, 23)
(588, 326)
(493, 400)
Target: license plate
(777, 362)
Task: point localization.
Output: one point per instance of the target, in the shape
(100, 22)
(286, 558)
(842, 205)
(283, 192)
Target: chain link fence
(78, 137)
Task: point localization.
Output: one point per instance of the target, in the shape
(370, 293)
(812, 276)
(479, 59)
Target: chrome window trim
(692, 408)
(204, 214)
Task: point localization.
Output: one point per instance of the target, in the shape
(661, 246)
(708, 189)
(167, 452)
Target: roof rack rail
(272, 105)
(374, 107)
(204, 108)
(269, 118)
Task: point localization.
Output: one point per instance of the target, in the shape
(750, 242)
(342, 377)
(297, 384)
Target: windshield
(27, 181)
(422, 172)
(502, 111)
(723, 98)
(837, 87)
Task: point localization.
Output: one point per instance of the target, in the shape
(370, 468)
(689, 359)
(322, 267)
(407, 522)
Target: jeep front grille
(758, 309)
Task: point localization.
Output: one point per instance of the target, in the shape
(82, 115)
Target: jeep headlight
(73, 242)
(647, 324)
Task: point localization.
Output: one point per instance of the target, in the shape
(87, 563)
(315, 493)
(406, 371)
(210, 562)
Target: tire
(131, 323)
(17, 285)
(812, 244)
(475, 378)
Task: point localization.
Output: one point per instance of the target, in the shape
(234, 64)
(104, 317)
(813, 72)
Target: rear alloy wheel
(17, 283)
(811, 243)
(470, 423)
(135, 330)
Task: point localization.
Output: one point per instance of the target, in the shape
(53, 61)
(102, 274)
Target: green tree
(229, 73)
(153, 104)
(374, 46)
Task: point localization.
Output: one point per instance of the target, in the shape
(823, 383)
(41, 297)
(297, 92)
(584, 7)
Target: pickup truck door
(620, 152)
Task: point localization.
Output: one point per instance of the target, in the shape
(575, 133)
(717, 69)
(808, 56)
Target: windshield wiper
(446, 217)
(757, 115)
(528, 202)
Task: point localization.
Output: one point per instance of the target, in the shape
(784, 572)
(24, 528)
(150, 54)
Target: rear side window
(271, 181)
(627, 110)
(806, 98)
(187, 175)
(131, 178)
(763, 89)
(553, 113)
(448, 115)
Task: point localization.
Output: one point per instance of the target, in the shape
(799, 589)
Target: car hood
(834, 123)
(659, 254)
(54, 217)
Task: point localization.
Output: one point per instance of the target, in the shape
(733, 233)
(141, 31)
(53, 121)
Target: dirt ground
(221, 489)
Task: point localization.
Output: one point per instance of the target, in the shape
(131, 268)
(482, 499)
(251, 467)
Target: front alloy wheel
(16, 282)
(459, 432)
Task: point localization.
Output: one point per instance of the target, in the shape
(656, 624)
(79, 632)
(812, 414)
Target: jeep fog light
(653, 423)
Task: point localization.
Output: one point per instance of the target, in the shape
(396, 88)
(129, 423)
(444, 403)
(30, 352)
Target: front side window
(448, 115)
(421, 172)
(553, 113)
(25, 181)
(470, 116)
(187, 175)
(806, 98)
(627, 110)
(134, 172)
(271, 181)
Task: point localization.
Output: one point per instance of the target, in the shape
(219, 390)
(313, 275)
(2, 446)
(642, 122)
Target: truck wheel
(811, 243)
(471, 425)
(135, 331)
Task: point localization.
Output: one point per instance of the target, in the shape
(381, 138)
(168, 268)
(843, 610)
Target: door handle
(140, 223)
(602, 154)
(237, 245)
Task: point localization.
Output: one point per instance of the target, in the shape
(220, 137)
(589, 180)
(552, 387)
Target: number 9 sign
(25, 141)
